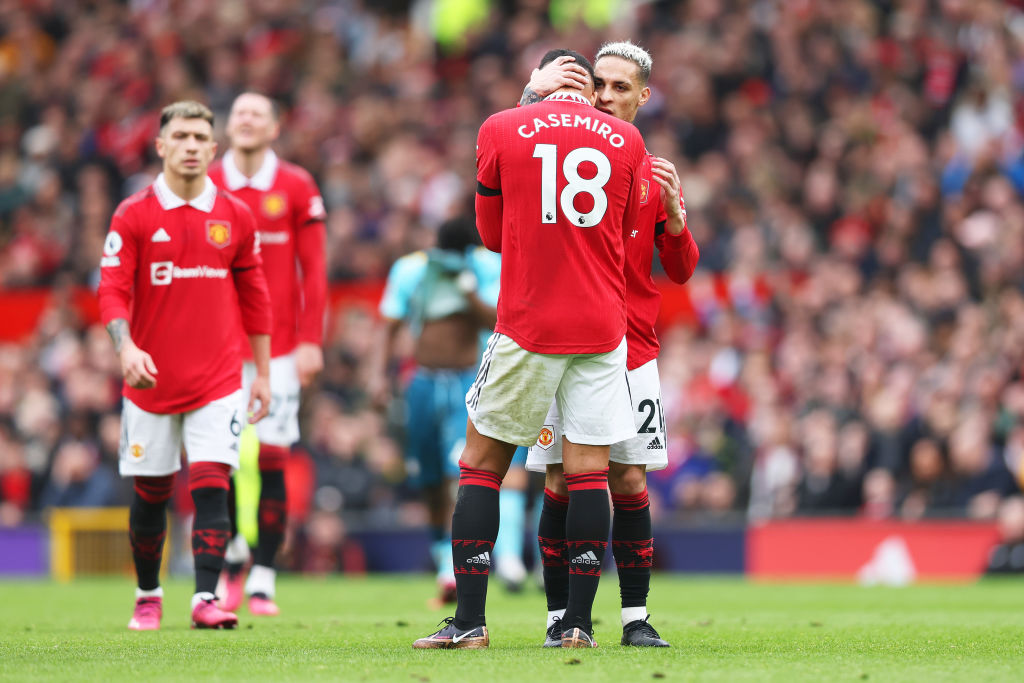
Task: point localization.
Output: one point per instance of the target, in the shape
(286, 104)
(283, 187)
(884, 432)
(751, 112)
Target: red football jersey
(678, 254)
(289, 213)
(558, 182)
(178, 272)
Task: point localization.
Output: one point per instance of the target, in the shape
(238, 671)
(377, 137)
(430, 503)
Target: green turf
(361, 629)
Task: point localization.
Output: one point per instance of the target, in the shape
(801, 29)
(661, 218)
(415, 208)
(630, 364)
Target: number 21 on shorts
(548, 155)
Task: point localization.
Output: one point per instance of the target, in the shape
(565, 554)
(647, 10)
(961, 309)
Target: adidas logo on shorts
(655, 445)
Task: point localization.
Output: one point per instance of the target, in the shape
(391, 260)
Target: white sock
(633, 614)
(200, 597)
(237, 551)
(552, 614)
(261, 580)
(157, 592)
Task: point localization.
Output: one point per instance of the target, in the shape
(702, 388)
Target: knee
(627, 480)
(554, 480)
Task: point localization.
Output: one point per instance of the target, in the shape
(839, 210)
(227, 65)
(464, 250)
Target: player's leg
(277, 432)
(546, 456)
(231, 586)
(506, 405)
(149, 452)
(426, 452)
(554, 558)
(593, 399)
(211, 435)
(632, 537)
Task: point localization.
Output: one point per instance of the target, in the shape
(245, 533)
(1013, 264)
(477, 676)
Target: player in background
(290, 217)
(557, 184)
(180, 260)
(621, 73)
(446, 296)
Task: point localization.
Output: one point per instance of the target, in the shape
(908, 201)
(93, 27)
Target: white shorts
(281, 425)
(151, 442)
(514, 389)
(647, 445)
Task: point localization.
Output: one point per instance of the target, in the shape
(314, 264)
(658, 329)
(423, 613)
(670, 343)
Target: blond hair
(185, 109)
(630, 52)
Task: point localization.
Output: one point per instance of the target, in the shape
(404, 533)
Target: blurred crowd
(853, 175)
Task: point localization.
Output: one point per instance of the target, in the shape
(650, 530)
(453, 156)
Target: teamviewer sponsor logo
(164, 272)
(586, 558)
(483, 558)
(161, 272)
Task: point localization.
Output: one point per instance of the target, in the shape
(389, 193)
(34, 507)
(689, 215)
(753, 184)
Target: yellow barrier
(91, 541)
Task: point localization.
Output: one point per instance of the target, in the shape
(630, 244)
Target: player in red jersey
(621, 72)
(557, 184)
(290, 216)
(179, 261)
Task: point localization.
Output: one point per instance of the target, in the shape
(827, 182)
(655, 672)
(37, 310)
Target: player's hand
(558, 73)
(259, 395)
(664, 173)
(137, 367)
(309, 361)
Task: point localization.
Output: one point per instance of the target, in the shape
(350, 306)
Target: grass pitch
(361, 629)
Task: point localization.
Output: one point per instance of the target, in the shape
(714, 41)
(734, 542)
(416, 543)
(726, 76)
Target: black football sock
(586, 533)
(551, 539)
(208, 483)
(272, 510)
(233, 568)
(633, 547)
(474, 529)
(147, 527)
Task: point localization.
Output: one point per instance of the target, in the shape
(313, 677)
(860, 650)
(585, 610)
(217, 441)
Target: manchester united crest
(136, 451)
(547, 437)
(218, 233)
(645, 190)
(273, 205)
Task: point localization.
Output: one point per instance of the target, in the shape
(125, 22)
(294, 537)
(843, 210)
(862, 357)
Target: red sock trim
(469, 476)
(273, 457)
(214, 475)
(556, 499)
(631, 501)
(585, 481)
(154, 489)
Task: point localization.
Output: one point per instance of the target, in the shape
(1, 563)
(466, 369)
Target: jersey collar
(567, 96)
(263, 180)
(168, 200)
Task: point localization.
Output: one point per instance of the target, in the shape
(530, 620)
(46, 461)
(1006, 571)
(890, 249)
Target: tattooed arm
(559, 73)
(137, 366)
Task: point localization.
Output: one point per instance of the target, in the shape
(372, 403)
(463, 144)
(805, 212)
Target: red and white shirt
(557, 184)
(678, 255)
(289, 214)
(179, 271)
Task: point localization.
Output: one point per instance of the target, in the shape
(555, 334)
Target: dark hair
(185, 109)
(456, 234)
(552, 55)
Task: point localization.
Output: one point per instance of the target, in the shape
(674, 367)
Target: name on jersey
(593, 124)
(164, 272)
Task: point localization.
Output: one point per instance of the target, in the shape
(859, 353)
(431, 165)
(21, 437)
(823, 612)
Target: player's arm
(254, 302)
(559, 73)
(484, 313)
(677, 249)
(117, 279)
(311, 250)
(489, 202)
(403, 278)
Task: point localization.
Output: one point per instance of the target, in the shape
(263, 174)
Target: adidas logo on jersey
(161, 236)
(586, 558)
(655, 445)
(482, 558)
